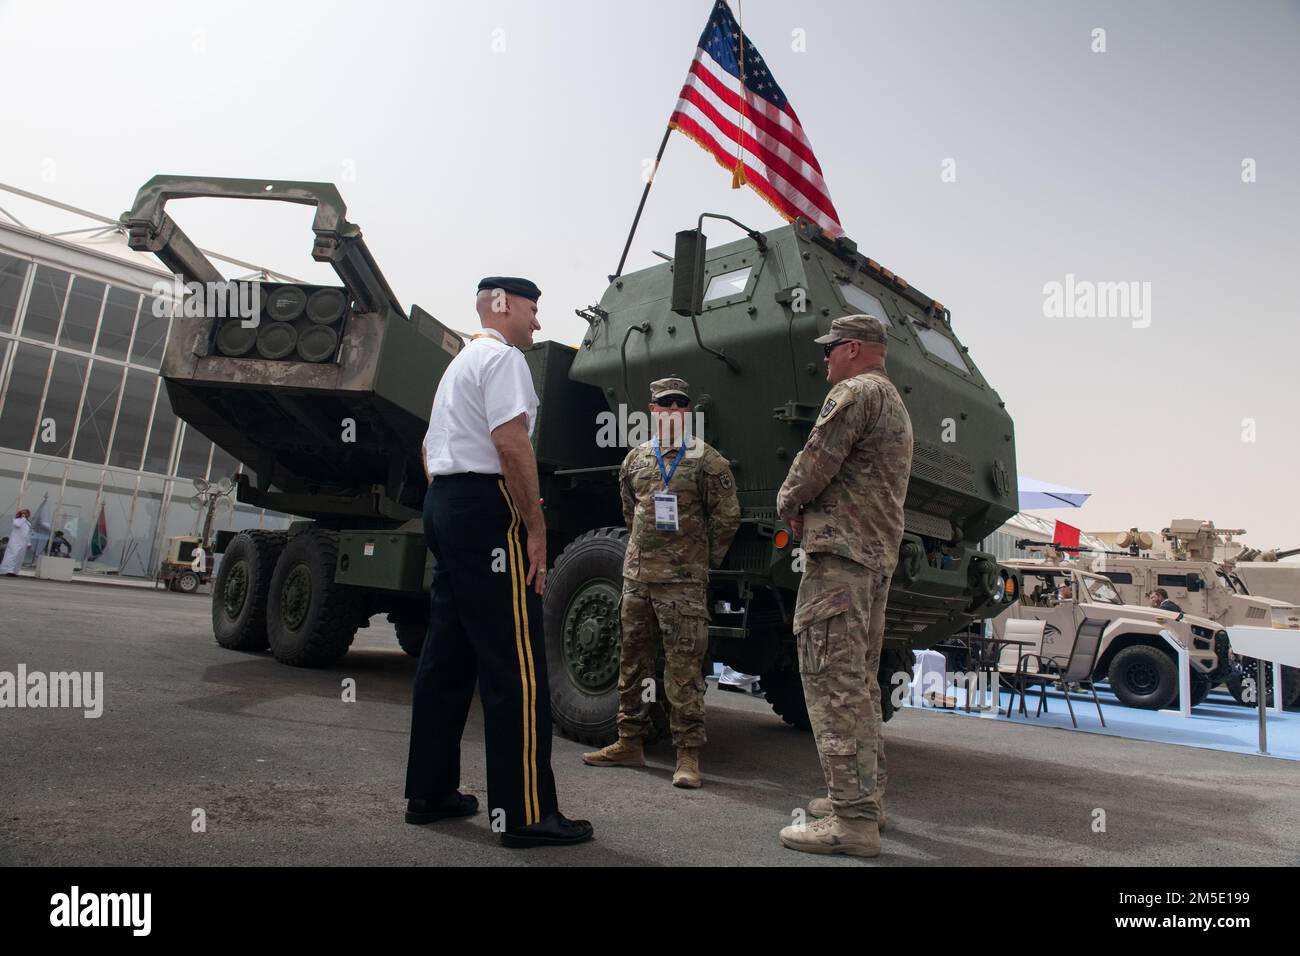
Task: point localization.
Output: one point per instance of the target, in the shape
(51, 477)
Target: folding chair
(1012, 656)
(1076, 673)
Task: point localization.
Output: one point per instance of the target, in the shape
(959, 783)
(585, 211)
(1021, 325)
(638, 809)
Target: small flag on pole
(41, 526)
(732, 106)
(99, 540)
(1065, 535)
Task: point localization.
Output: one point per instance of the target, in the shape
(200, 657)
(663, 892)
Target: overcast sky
(461, 159)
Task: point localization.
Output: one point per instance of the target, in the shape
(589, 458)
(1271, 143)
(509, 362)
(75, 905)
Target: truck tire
(1144, 677)
(893, 662)
(240, 591)
(310, 620)
(187, 582)
(581, 616)
(783, 689)
(1200, 688)
(411, 631)
(1290, 684)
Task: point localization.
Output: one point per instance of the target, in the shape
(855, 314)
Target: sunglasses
(673, 401)
(830, 347)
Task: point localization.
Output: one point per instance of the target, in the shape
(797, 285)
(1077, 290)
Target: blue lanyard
(659, 457)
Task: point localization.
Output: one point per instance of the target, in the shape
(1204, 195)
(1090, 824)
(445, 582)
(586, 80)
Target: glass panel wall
(118, 323)
(13, 273)
(29, 367)
(81, 317)
(45, 305)
(87, 437)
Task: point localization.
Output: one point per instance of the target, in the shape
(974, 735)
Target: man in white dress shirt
(483, 522)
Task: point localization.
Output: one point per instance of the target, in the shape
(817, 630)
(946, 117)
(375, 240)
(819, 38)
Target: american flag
(749, 126)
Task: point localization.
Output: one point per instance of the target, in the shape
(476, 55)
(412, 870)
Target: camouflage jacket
(708, 514)
(851, 477)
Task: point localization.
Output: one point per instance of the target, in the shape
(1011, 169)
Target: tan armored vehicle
(1201, 585)
(1135, 657)
(1265, 573)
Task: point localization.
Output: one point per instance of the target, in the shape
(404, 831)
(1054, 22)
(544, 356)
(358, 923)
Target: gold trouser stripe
(520, 581)
(531, 812)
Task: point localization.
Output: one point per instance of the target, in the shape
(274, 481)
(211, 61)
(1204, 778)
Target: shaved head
(514, 316)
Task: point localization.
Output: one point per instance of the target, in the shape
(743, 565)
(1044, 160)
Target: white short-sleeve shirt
(486, 385)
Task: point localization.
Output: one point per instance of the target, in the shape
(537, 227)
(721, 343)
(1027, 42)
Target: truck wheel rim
(295, 597)
(591, 631)
(1143, 678)
(236, 589)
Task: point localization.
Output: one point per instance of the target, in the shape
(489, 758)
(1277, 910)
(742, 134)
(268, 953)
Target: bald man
(483, 522)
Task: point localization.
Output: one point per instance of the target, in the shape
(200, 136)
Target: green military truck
(325, 397)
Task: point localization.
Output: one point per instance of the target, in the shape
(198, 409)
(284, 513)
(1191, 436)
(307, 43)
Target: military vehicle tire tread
(891, 662)
(411, 630)
(1290, 685)
(1200, 688)
(334, 613)
(1152, 660)
(586, 718)
(248, 631)
(783, 689)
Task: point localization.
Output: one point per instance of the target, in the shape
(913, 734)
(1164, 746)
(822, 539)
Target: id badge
(665, 512)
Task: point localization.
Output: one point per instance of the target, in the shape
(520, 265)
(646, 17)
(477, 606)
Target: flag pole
(641, 205)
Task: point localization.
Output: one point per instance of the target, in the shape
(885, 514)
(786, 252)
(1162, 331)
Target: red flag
(1066, 535)
(732, 106)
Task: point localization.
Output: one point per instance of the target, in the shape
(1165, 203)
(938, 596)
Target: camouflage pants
(840, 626)
(676, 616)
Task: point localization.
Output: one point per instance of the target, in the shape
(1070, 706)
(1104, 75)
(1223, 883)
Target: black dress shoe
(555, 830)
(456, 804)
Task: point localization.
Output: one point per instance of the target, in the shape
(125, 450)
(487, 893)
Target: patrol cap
(664, 387)
(512, 284)
(862, 328)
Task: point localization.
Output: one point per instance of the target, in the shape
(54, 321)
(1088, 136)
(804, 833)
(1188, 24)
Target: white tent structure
(1035, 494)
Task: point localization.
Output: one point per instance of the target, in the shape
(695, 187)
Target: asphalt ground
(286, 772)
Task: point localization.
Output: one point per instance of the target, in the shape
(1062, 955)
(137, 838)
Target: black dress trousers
(485, 624)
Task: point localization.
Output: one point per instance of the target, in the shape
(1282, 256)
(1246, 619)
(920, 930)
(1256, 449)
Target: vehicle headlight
(1286, 617)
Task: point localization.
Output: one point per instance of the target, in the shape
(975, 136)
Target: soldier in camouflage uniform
(844, 497)
(679, 501)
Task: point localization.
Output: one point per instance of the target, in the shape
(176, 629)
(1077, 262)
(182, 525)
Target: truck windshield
(1102, 591)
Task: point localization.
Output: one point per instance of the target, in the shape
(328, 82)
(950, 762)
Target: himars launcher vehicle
(326, 401)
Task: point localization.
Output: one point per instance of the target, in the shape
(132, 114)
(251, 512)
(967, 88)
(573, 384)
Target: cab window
(728, 283)
(939, 345)
(863, 301)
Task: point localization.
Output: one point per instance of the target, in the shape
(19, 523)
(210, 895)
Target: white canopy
(1042, 494)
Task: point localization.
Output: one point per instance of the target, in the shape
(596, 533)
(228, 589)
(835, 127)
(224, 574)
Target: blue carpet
(1220, 723)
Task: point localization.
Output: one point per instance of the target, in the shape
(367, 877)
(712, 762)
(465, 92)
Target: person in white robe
(19, 538)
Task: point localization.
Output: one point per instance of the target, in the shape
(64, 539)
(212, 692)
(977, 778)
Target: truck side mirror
(688, 272)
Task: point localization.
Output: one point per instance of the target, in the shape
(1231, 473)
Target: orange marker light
(781, 539)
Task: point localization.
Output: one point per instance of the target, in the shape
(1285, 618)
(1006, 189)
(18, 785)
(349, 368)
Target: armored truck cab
(738, 323)
(324, 394)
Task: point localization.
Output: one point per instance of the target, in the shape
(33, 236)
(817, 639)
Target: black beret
(512, 284)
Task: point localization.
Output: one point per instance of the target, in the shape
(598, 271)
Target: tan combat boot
(624, 752)
(821, 807)
(851, 836)
(688, 768)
